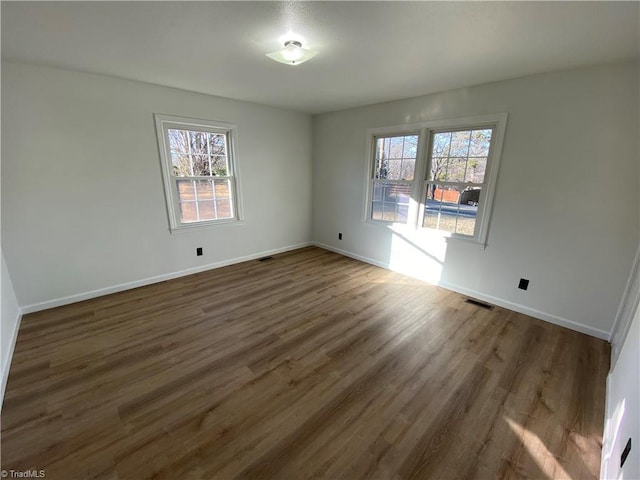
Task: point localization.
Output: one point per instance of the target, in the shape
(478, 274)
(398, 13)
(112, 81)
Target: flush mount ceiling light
(292, 53)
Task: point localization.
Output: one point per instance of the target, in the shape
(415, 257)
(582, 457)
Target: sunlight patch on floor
(538, 451)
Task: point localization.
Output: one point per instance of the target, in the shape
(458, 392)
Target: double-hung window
(436, 176)
(199, 171)
(455, 179)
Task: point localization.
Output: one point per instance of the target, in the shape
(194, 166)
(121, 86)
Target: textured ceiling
(369, 51)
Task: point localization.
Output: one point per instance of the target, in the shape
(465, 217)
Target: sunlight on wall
(417, 255)
(538, 451)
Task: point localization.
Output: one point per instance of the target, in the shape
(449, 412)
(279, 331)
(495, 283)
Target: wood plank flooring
(307, 365)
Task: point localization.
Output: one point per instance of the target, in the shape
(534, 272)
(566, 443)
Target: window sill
(205, 226)
(468, 241)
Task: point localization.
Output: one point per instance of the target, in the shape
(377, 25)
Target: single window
(198, 167)
(393, 177)
(437, 176)
(456, 180)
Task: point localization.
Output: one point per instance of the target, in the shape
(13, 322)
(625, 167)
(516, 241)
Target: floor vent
(480, 304)
(264, 259)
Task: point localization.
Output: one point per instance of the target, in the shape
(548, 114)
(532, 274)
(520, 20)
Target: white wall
(566, 205)
(10, 321)
(83, 205)
(623, 410)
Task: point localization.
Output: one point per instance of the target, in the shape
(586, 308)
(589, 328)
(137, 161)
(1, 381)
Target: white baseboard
(516, 307)
(532, 312)
(355, 256)
(35, 307)
(160, 278)
(7, 360)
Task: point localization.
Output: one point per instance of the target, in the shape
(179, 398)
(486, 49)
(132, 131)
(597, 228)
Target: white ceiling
(369, 51)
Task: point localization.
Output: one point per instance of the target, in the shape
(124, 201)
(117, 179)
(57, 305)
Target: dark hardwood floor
(308, 365)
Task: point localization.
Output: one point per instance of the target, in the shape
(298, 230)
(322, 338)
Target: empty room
(330, 240)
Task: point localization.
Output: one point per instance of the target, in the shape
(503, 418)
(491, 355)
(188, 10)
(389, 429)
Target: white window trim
(166, 122)
(416, 207)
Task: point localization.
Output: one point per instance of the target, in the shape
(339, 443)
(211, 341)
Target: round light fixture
(292, 53)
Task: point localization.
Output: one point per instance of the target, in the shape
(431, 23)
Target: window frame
(166, 122)
(425, 130)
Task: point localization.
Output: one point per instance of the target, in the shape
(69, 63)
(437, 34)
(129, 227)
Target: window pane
(438, 169)
(217, 142)
(376, 211)
(455, 170)
(394, 169)
(386, 142)
(402, 213)
(222, 189)
(480, 141)
(441, 207)
(410, 149)
(206, 210)
(396, 147)
(204, 189)
(451, 208)
(391, 202)
(186, 190)
(460, 144)
(467, 221)
(470, 196)
(476, 168)
(178, 141)
(204, 200)
(181, 165)
(223, 208)
(432, 207)
(200, 165)
(441, 143)
(219, 165)
(408, 168)
(460, 156)
(430, 218)
(188, 212)
(396, 157)
(382, 158)
(468, 213)
(198, 142)
(377, 192)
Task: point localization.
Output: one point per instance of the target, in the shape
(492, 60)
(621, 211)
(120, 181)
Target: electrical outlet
(524, 284)
(199, 251)
(339, 236)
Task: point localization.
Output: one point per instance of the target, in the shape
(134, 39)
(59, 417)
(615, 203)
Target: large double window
(437, 176)
(198, 166)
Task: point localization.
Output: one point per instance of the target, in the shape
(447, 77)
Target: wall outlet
(199, 251)
(339, 236)
(524, 284)
(625, 453)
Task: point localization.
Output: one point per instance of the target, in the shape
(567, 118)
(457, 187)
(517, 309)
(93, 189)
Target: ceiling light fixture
(292, 53)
